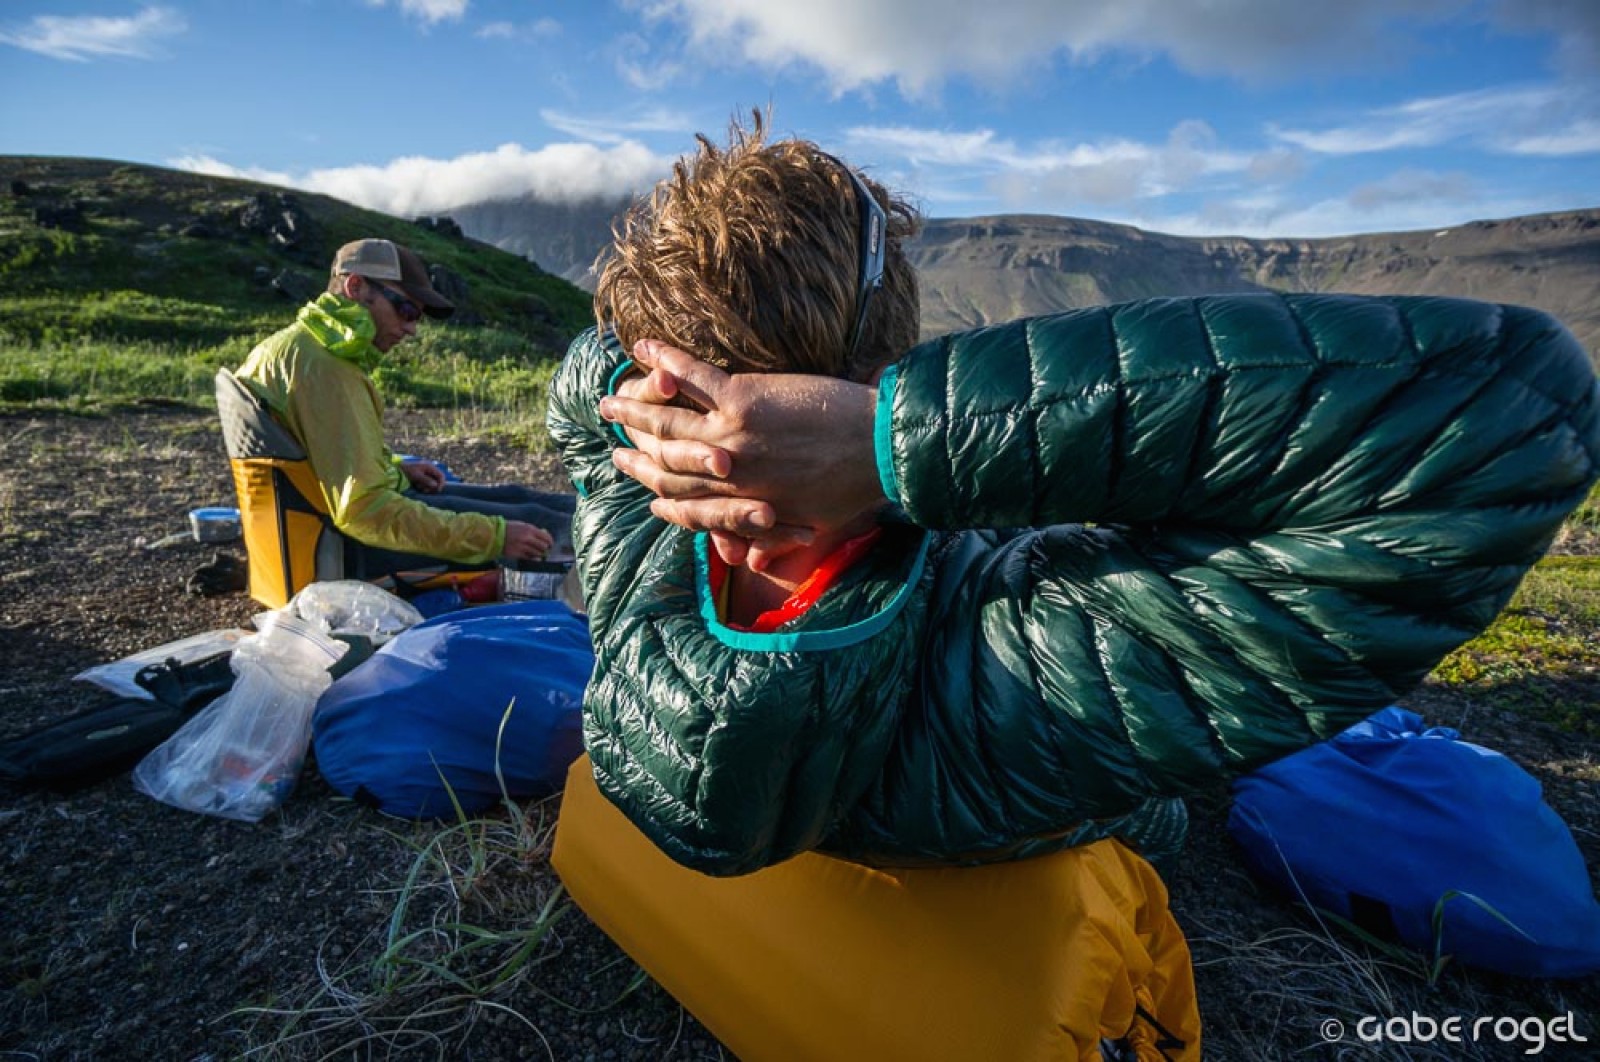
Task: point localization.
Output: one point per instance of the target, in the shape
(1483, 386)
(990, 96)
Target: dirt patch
(132, 930)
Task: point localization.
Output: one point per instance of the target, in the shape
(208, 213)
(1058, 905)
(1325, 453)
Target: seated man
(312, 375)
(1050, 570)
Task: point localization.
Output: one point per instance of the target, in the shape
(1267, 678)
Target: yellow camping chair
(289, 537)
(816, 958)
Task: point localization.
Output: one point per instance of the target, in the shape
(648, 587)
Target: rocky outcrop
(65, 216)
(443, 225)
(280, 218)
(296, 285)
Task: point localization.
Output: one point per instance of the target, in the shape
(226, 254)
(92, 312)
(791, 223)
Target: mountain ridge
(982, 270)
(978, 271)
(86, 224)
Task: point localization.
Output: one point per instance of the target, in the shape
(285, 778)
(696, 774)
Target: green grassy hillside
(122, 282)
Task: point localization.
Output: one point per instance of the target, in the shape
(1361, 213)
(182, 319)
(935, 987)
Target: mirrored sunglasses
(409, 311)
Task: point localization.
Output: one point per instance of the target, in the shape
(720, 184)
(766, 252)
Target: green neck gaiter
(343, 327)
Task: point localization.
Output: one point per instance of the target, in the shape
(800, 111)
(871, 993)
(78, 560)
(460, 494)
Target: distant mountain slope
(83, 241)
(981, 270)
(563, 238)
(977, 271)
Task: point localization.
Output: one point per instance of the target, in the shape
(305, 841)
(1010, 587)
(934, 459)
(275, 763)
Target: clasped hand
(762, 461)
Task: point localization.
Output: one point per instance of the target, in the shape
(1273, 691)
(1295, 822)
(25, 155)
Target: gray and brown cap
(389, 261)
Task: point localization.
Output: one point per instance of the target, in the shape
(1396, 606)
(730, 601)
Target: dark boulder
(68, 217)
(296, 285)
(443, 225)
(448, 283)
(280, 219)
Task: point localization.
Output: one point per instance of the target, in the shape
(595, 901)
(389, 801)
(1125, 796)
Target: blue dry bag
(1384, 821)
(426, 711)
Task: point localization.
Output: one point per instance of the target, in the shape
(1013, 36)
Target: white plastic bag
(240, 757)
(117, 676)
(349, 606)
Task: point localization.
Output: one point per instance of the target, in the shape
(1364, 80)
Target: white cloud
(1341, 217)
(1277, 166)
(1299, 219)
(932, 147)
(405, 187)
(79, 38)
(1532, 120)
(919, 43)
(1580, 138)
(1104, 172)
(428, 11)
(637, 63)
(519, 31)
(1413, 186)
(616, 130)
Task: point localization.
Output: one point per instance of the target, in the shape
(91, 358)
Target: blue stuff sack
(426, 711)
(1381, 822)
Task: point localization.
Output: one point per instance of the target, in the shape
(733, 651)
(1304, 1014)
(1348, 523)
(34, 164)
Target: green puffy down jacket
(1252, 520)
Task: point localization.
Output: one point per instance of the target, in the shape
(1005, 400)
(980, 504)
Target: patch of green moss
(1541, 657)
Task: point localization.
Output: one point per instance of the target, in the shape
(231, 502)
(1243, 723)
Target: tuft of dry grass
(469, 928)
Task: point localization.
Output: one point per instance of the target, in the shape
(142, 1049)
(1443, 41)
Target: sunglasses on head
(874, 223)
(408, 311)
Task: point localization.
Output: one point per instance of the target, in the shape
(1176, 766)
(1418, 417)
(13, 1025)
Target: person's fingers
(782, 540)
(526, 541)
(664, 422)
(730, 547)
(740, 516)
(653, 385)
(692, 458)
(760, 552)
(682, 455)
(663, 482)
(700, 382)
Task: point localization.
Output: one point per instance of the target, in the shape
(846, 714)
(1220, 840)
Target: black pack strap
(1165, 1041)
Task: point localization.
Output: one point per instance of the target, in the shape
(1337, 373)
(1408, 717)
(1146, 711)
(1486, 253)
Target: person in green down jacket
(1054, 570)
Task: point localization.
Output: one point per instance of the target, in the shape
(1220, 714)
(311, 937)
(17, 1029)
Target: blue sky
(1252, 117)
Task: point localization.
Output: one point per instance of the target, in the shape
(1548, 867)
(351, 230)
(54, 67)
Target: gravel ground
(130, 930)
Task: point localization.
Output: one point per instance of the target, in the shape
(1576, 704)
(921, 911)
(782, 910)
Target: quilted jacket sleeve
(1253, 414)
(1303, 503)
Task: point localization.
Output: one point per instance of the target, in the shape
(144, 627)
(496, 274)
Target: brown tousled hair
(749, 257)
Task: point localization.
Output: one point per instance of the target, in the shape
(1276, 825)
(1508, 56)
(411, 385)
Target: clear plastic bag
(239, 758)
(349, 606)
(117, 676)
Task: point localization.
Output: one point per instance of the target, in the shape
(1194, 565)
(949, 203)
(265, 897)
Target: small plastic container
(533, 580)
(214, 525)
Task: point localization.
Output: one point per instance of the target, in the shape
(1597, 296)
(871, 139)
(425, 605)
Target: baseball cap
(400, 266)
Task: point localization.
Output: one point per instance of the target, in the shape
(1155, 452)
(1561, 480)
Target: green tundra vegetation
(1541, 656)
(128, 285)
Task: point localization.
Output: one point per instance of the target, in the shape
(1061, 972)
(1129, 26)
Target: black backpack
(106, 740)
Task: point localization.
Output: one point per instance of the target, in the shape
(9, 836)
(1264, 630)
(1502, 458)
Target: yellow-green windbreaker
(313, 376)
